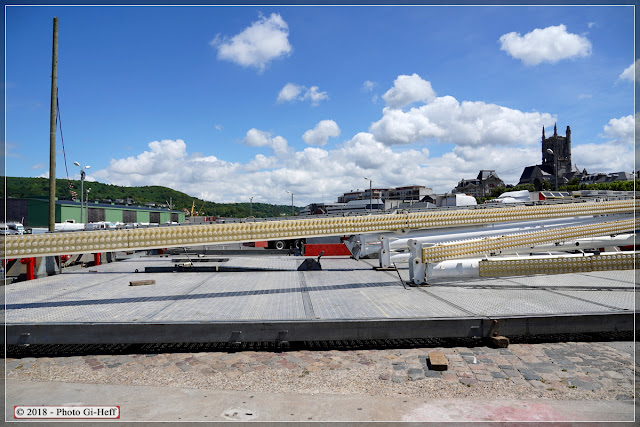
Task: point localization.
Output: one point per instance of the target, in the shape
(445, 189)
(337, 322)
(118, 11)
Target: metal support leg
(385, 254)
(417, 269)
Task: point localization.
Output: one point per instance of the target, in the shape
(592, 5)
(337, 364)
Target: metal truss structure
(52, 244)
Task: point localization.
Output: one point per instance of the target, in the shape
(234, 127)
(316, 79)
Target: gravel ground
(569, 370)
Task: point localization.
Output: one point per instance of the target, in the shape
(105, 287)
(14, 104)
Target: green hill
(19, 187)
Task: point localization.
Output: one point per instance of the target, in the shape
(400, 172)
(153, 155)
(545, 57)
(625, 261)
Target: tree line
(573, 185)
(21, 187)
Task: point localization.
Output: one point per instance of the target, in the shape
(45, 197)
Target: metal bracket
(282, 337)
(22, 340)
(236, 337)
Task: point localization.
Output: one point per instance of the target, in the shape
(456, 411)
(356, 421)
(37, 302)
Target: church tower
(561, 147)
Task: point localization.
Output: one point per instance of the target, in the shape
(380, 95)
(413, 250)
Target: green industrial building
(34, 212)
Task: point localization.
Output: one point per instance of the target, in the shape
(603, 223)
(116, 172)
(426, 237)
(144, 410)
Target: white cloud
(257, 45)
(486, 136)
(293, 92)
(314, 173)
(368, 86)
(321, 133)
(315, 95)
(630, 72)
(468, 123)
(159, 158)
(407, 90)
(289, 92)
(614, 155)
(550, 44)
(606, 157)
(620, 130)
(219, 127)
(261, 162)
(259, 138)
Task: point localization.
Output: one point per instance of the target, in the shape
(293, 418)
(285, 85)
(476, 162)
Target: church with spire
(556, 161)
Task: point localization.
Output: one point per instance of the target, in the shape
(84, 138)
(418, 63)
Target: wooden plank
(142, 282)
(438, 361)
(499, 342)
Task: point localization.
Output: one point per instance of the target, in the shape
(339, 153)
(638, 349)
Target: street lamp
(82, 175)
(86, 205)
(555, 170)
(370, 194)
(291, 201)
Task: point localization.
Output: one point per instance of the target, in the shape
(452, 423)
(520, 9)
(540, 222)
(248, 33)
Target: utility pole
(292, 214)
(52, 130)
(170, 209)
(370, 194)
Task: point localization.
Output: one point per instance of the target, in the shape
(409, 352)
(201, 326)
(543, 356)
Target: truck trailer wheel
(280, 244)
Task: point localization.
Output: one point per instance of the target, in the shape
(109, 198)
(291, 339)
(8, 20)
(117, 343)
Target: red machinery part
(329, 249)
(30, 264)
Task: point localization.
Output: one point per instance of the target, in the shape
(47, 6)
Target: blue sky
(228, 103)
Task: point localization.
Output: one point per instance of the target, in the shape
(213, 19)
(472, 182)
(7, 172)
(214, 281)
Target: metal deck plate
(344, 291)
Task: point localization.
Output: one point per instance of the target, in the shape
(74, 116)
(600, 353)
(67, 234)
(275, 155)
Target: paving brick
(519, 381)
(449, 376)
(476, 368)
(415, 374)
(530, 376)
(433, 374)
(586, 385)
(538, 385)
(511, 373)
(465, 375)
(614, 375)
(399, 378)
(541, 368)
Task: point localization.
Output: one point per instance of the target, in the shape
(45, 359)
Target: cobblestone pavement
(566, 370)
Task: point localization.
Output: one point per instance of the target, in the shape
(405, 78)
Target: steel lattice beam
(165, 237)
(488, 245)
(557, 265)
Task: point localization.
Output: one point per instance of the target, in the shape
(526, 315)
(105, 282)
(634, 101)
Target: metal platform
(347, 300)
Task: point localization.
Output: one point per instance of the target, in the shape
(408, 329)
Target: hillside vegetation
(39, 187)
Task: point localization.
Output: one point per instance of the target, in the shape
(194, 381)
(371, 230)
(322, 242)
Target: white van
(15, 228)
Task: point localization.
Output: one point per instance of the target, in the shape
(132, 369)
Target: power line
(64, 153)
